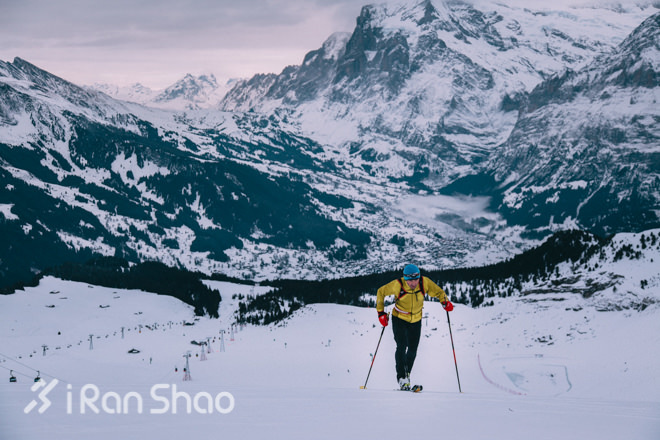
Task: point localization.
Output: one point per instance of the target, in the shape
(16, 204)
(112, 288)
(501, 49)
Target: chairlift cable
(40, 373)
(19, 363)
(16, 372)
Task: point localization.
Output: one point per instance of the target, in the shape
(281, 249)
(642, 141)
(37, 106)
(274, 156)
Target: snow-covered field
(532, 367)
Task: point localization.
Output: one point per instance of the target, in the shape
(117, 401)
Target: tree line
(149, 276)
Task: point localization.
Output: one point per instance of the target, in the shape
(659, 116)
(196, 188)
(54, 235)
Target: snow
(188, 93)
(334, 45)
(79, 243)
(123, 165)
(5, 210)
(532, 366)
(546, 365)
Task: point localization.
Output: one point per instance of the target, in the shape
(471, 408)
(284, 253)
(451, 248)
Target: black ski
(414, 389)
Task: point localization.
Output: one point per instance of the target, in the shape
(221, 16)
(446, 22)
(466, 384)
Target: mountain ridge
(188, 93)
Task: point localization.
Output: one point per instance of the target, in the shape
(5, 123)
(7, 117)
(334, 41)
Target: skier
(409, 293)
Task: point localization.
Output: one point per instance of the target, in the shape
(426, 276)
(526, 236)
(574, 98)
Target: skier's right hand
(383, 318)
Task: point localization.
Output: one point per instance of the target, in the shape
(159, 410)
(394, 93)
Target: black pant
(406, 336)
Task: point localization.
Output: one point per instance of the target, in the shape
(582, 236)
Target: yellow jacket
(409, 303)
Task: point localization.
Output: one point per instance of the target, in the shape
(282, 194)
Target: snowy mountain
(336, 166)
(585, 148)
(431, 84)
(242, 194)
(189, 93)
(447, 134)
(438, 91)
(137, 92)
(83, 173)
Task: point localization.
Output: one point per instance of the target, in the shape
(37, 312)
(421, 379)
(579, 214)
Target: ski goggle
(411, 276)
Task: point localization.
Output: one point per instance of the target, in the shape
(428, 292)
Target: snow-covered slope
(527, 368)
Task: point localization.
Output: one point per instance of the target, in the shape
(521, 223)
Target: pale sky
(156, 42)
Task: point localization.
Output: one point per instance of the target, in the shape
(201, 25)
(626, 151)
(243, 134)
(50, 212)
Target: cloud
(168, 22)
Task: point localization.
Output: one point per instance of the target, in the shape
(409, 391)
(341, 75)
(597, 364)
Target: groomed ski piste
(528, 368)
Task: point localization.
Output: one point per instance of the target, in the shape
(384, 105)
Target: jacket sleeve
(388, 289)
(434, 290)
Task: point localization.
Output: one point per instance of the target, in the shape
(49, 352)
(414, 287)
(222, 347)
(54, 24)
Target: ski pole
(454, 351)
(373, 359)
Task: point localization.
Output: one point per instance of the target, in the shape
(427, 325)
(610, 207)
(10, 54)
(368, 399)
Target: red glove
(448, 306)
(383, 318)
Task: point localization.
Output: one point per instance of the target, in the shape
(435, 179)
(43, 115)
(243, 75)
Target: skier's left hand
(448, 306)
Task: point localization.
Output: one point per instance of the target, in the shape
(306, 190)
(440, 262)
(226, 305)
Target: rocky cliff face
(586, 148)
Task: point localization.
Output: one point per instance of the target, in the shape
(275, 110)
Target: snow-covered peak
(189, 88)
(189, 93)
(334, 46)
(137, 92)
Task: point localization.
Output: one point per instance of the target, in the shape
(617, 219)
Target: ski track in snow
(524, 373)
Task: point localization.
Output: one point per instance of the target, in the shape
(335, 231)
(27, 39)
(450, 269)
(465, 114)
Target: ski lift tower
(208, 345)
(186, 370)
(222, 340)
(91, 342)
